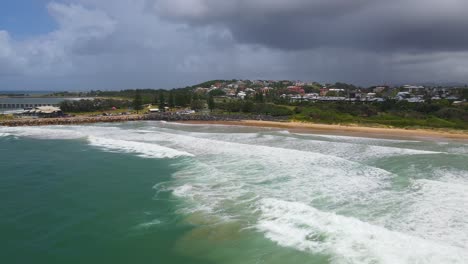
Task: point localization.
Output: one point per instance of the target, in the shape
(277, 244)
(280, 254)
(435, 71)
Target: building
(43, 112)
(323, 91)
(296, 89)
(201, 90)
(379, 89)
(413, 88)
(241, 95)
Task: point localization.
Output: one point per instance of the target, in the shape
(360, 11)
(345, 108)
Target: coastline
(256, 121)
(348, 130)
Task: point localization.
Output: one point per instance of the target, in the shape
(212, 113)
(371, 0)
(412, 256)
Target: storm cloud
(168, 43)
(414, 25)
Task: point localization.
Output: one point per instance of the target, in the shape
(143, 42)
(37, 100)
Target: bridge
(22, 106)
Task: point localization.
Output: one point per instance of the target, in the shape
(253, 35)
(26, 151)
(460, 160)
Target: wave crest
(145, 150)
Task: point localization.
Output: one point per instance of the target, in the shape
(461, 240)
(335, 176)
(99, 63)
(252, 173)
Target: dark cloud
(117, 44)
(305, 24)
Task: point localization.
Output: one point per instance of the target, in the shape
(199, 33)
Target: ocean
(156, 192)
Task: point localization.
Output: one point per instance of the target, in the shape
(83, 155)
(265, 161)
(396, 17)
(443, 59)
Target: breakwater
(171, 117)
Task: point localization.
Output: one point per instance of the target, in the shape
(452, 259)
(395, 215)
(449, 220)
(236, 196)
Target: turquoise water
(155, 192)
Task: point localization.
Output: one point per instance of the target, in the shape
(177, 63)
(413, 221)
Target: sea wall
(171, 117)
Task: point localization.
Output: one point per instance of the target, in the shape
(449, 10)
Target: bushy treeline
(439, 113)
(93, 105)
(172, 98)
(234, 106)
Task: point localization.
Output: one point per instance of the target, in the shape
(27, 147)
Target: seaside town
(339, 103)
(313, 91)
(234, 131)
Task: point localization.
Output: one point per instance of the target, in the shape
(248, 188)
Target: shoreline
(254, 121)
(348, 130)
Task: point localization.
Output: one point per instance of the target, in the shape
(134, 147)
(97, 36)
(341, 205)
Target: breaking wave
(346, 239)
(144, 150)
(4, 134)
(331, 195)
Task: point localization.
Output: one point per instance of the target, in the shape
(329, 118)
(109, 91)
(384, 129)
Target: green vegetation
(94, 105)
(162, 101)
(390, 113)
(181, 97)
(211, 103)
(250, 107)
(270, 101)
(6, 117)
(137, 101)
(217, 93)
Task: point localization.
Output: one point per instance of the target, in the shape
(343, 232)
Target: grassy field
(6, 117)
(317, 115)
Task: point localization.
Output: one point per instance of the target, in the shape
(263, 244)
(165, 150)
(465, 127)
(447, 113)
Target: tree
(197, 105)
(155, 99)
(138, 101)
(258, 97)
(464, 93)
(171, 99)
(161, 101)
(247, 107)
(211, 103)
(217, 92)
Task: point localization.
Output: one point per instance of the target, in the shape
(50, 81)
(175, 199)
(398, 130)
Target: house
(402, 95)
(323, 91)
(265, 90)
(296, 89)
(201, 90)
(415, 100)
(241, 95)
(311, 96)
(379, 89)
(413, 88)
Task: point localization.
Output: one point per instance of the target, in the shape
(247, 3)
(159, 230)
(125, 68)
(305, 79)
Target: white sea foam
(229, 177)
(461, 149)
(4, 134)
(453, 176)
(149, 224)
(306, 193)
(359, 139)
(183, 191)
(346, 239)
(228, 174)
(339, 149)
(44, 132)
(145, 150)
(359, 151)
(435, 210)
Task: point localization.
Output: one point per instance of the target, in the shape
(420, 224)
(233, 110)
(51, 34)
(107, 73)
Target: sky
(126, 44)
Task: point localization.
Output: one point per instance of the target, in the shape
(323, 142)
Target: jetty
(22, 106)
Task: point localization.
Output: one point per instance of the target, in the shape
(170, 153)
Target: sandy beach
(349, 130)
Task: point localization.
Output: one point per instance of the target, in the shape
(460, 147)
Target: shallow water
(156, 192)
